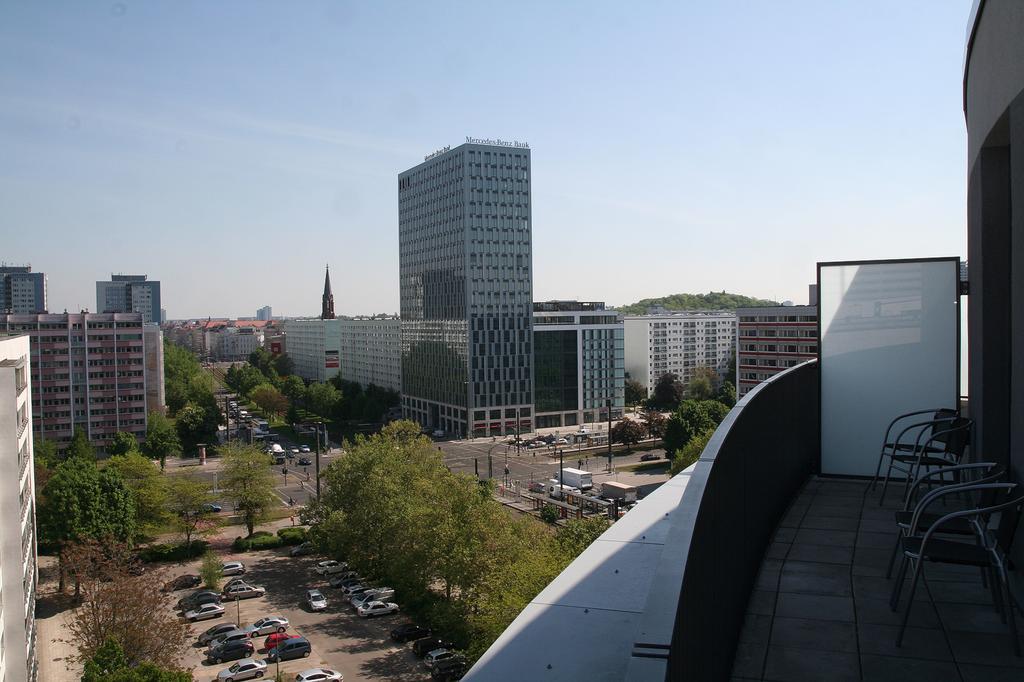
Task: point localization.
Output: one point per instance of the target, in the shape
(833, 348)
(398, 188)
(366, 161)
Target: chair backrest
(1009, 519)
(953, 435)
(962, 475)
(943, 417)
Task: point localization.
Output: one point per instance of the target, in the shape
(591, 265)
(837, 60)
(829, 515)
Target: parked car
(304, 448)
(244, 592)
(216, 631)
(354, 588)
(232, 568)
(229, 636)
(548, 439)
(339, 578)
(408, 632)
(266, 625)
(321, 567)
(649, 457)
(561, 441)
(316, 600)
(302, 550)
(198, 599)
(182, 582)
(341, 582)
(449, 669)
(298, 647)
(213, 508)
(205, 612)
(275, 638)
(374, 594)
(234, 581)
(438, 655)
(422, 647)
(537, 487)
(305, 461)
(536, 444)
(319, 675)
(231, 651)
(245, 669)
(292, 452)
(377, 608)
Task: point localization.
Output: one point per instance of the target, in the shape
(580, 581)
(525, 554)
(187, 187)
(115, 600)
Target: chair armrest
(888, 429)
(945, 470)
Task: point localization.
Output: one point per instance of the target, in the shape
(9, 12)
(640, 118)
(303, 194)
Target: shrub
(292, 536)
(261, 539)
(176, 552)
(210, 570)
(549, 513)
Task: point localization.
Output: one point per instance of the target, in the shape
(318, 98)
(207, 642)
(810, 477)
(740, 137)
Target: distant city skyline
(676, 148)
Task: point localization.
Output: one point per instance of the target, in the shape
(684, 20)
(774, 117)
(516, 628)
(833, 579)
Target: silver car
(232, 568)
(244, 592)
(264, 626)
(316, 600)
(244, 669)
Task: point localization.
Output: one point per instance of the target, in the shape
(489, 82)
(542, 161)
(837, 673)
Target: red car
(275, 638)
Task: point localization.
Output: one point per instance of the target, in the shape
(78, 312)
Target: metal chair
(961, 475)
(989, 553)
(942, 444)
(902, 438)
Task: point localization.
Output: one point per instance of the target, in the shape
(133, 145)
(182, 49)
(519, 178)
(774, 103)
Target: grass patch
(656, 465)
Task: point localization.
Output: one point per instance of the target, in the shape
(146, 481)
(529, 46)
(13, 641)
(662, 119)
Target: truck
(557, 491)
(277, 452)
(613, 490)
(577, 478)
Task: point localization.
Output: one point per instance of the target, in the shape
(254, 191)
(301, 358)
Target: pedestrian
(290, 501)
(293, 519)
(581, 464)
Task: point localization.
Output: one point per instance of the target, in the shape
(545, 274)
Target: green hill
(714, 300)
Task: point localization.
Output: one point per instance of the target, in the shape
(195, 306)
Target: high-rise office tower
(265, 313)
(130, 294)
(466, 287)
(21, 290)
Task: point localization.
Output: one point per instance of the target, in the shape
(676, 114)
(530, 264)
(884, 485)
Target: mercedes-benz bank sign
(497, 143)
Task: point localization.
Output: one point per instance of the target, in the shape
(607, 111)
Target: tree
(109, 664)
(123, 443)
(211, 571)
(80, 446)
(691, 452)
(161, 438)
(117, 605)
(45, 453)
(190, 421)
(283, 365)
(269, 399)
(577, 534)
(292, 416)
(148, 487)
(635, 392)
(261, 360)
(322, 398)
(702, 383)
(187, 499)
(726, 394)
(80, 503)
(248, 378)
(627, 431)
(294, 388)
(404, 431)
(692, 417)
(549, 514)
(247, 480)
(668, 392)
(655, 422)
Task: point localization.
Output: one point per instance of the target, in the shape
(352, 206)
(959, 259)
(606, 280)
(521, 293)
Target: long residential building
(678, 343)
(130, 294)
(18, 573)
(578, 360)
(314, 345)
(21, 290)
(772, 339)
(90, 371)
(371, 351)
(466, 289)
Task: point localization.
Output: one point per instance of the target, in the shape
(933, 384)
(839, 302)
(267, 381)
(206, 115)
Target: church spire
(327, 312)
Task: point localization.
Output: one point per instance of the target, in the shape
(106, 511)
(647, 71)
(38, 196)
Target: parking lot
(361, 649)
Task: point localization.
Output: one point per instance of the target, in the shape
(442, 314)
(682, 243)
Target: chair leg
(895, 552)
(910, 602)
(885, 484)
(1004, 583)
(878, 470)
(996, 587)
(894, 599)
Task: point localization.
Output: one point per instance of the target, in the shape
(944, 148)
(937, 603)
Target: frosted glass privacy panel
(889, 345)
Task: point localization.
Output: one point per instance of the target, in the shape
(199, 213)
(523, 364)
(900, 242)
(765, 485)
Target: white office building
(314, 345)
(18, 575)
(678, 343)
(371, 351)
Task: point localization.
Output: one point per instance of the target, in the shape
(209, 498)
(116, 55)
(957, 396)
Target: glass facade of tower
(466, 285)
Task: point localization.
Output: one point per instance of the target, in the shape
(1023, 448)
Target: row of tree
(456, 557)
(189, 396)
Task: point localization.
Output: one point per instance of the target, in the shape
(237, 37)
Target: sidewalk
(55, 656)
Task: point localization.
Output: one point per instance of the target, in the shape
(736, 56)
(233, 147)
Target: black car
(305, 461)
(450, 669)
(649, 457)
(408, 632)
(198, 599)
(232, 651)
(182, 582)
(422, 647)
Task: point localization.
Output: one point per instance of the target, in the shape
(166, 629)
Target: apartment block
(578, 363)
(130, 294)
(678, 343)
(466, 289)
(265, 313)
(233, 344)
(18, 574)
(770, 340)
(314, 345)
(371, 351)
(89, 371)
(21, 290)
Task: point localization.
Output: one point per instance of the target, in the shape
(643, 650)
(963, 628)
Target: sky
(233, 149)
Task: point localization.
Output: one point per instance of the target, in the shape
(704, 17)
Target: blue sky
(231, 149)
